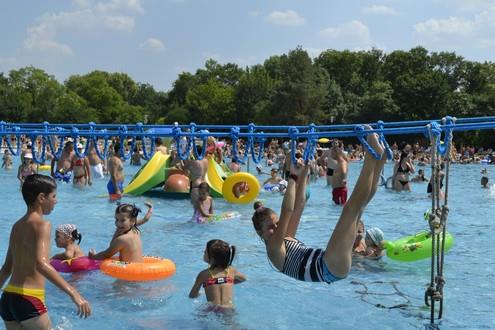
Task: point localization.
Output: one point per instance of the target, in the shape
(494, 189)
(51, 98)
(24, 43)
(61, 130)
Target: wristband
(293, 177)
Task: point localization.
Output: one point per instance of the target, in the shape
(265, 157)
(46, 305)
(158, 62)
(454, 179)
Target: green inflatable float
(415, 247)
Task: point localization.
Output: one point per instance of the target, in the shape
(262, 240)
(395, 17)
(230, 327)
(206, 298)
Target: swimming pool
(269, 300)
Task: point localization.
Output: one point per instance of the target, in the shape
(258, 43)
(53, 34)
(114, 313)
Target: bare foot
(374, 141)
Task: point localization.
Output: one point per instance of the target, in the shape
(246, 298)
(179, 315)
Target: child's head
(219, 253)
(28, 158)
(373, 237)
(38, 186)
(203, 190)
(126, 217)
(66, 234)
(421, 172)
(264, 220)
(484, 181)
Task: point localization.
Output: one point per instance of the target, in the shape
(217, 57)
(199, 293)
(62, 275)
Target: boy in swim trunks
(22, 304)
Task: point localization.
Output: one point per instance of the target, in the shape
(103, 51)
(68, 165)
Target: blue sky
(154, 40)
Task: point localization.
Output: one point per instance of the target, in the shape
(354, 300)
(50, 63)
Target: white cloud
(110, 15)
(289, 18)
(152, 44)
(354, 35)
(40, 37)
(477, 31)
(119, 23)
(380, 10)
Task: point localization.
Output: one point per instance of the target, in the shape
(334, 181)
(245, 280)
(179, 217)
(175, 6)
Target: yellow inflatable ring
(151, 269)
(45, 167)
(232, 180)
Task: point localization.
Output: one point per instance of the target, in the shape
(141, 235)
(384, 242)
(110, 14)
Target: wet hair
(36, 184)
(158, 141)
(484, 181)
(76, 236)
(203, 190)
(130, 209)
(260, 215)
(220, 253)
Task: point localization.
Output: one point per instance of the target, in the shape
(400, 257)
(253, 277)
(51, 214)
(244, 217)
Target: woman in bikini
(219, 278)
(81, 170)
(402, 170)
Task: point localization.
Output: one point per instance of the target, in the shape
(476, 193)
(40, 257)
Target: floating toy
(242, 184)
(75, 264)
(415, 247)
(151, 269)
(177, 183)
(272, 187)
(224, 216)
(45, 168)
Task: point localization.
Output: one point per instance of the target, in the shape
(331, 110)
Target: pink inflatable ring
(75, 264)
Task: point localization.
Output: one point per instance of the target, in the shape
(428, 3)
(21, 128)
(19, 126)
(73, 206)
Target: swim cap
(67, 229)
(375, 235)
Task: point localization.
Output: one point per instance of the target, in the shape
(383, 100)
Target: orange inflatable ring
(151, 269)
(231, 181)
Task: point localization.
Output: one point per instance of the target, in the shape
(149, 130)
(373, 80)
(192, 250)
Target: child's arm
(239, 277)
(115, 246)
(147, 216)
(300, 201)
(211, 205)
(194, 293)
(61, 256)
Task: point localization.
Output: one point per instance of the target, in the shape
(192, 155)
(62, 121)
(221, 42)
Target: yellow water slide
(149, 176)
(214, 178)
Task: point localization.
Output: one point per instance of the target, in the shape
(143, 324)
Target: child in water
(127, 238)
(220, 276)
(65, 237)
(203, 209)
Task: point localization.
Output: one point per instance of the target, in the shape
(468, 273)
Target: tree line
(291, 89)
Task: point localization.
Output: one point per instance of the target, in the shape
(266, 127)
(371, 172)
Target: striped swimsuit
(305, 264)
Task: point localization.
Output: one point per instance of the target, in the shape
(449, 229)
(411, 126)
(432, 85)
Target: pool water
(268, 299)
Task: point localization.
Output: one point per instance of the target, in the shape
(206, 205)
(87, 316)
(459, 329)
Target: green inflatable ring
(415, 247)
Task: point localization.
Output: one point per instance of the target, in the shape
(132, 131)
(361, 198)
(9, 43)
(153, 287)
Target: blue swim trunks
(111, 188)
(65, 177)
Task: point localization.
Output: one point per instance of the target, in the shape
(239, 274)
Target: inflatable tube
(224, 216)
(44, 168)
(151, 269)
(271, 187)
(75, 264)
(231, 181)
(415, 247)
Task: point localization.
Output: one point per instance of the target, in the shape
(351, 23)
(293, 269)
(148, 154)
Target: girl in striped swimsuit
(289, 255)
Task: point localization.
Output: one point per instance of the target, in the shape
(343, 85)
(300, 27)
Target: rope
(439, 215)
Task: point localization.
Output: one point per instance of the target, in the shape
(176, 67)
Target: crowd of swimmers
(27, 261)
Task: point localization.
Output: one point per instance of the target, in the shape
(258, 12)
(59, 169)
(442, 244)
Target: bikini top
(218, 280)
(406, 170)
(79, 162)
